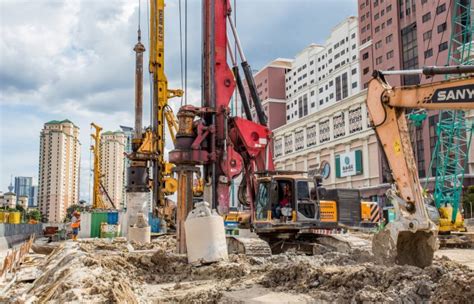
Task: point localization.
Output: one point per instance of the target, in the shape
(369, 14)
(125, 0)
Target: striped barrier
(374, 213)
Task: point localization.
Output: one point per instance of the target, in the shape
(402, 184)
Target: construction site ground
(113, 271)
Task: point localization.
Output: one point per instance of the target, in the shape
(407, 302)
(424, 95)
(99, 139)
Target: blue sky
(74, 59)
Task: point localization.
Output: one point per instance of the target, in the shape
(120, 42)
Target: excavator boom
(411, 238)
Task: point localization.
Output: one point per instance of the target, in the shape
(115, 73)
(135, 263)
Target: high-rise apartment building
(409, 34)
(322, 75)
(128, 132)
(112, 148)
(24, 187)
(270, 83)
(401, 35)
(59, 164)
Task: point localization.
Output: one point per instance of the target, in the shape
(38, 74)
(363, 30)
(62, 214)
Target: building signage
(349, 164)
(325, 169)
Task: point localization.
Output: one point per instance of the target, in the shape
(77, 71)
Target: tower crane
(98, 188)
(454, 132)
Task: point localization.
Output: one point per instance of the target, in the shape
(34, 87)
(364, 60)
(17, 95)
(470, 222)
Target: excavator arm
(411, 238)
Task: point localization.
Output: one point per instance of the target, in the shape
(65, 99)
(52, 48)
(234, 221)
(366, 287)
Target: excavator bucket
(397, 245)
(410, 239)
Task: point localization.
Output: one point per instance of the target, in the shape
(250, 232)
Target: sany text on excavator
(412, 237)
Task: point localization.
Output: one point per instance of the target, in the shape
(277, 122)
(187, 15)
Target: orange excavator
(412, 237)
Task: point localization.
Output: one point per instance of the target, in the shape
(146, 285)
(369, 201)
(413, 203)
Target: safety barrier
(15, 257)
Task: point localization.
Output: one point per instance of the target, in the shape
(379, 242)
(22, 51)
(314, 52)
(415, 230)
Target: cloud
(74, 59)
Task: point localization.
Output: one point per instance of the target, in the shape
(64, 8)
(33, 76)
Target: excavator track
(249, 246)
(457, 240)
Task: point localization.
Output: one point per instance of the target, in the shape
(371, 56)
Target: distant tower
(10, 188)
(58, 178)
(112, 148)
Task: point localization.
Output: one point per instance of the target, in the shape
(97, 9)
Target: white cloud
(74, 59)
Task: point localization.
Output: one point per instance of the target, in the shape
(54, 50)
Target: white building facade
(59, 163)
(112, 150)
(322, 75)
(338, 142)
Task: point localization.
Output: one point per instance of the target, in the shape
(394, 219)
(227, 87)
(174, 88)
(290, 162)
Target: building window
(354, 85)
(443, 46)
(288, 143)
(376, 16)
(324, 131)
(365, 71)
(427, 35)
(299, 140)
(442, 27)
(378, 44)
(426, 17)
(339, 125)
(410, 53)
(389, 8)
(390, 55)
(389, 22)
(305, 104)
(389, 38)
(377, 29)
(365, 56)
(355, 120)
(354, 71)
(378, 60)
(428, 53)
(342, 90)
(311, 136)
(441, 8)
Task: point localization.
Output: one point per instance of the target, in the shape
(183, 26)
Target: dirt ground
(102, 271)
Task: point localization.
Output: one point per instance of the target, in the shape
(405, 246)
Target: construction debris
(100, 271)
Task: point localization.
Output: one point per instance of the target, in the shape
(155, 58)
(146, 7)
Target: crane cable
(184, 75)
(150, 79)
(186, 52)
(181, 47)
(90, 166)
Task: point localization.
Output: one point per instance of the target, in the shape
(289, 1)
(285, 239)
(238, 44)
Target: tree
(34, 215)
(468, 201)
(70, 211)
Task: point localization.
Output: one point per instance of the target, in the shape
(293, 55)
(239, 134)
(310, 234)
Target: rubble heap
(102, 271)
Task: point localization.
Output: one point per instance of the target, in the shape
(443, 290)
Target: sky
(74, 59)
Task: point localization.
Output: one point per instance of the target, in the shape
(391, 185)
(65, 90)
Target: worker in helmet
(75, 224)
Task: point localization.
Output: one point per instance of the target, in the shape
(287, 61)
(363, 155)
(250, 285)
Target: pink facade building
(270, 82)
(402, 35)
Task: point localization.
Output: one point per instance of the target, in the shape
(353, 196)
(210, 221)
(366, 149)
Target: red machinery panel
(254, 136)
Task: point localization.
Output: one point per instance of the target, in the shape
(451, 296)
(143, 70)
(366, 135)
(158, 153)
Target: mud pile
(102, 271)
(339, 279)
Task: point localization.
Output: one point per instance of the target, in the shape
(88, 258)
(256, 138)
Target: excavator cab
(285, 199)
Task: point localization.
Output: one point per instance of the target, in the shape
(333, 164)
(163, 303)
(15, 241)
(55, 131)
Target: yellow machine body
(328, 211)
(445, 224)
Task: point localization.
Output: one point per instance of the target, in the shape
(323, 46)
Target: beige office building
(337, 141)
(59, 164)
(112, 166)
